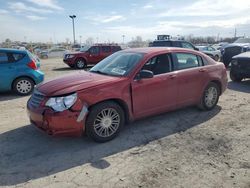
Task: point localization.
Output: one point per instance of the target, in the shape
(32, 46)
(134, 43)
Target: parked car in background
(77, 47)
(52, 53)
(240, 67)
(19, 71)
(239, 46)
(128, 85)
(210, 51)
(165, 41)
(90, 55)
(220, 45)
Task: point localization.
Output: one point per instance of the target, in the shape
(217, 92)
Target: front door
(7, 71)
(158, 94)
(94, 55)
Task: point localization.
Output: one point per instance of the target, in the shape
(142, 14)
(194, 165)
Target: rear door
(157, 94)
(192, 76)
(105, 51)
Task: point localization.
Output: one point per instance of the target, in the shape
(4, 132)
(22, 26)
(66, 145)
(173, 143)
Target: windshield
(84, 48)
(118, 64)
(242, 40)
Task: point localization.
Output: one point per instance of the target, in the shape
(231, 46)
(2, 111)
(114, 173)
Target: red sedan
(128, 85)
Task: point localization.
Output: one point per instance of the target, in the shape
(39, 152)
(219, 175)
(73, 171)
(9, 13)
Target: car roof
(148, 50)
(12, 50)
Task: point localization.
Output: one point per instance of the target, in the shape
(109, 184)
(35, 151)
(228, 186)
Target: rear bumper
(56, 123)
(38, 76)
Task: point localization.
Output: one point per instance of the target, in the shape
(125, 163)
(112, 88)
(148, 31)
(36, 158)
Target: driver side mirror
(144, 74)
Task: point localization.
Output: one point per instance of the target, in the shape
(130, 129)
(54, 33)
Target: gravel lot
(185, 148)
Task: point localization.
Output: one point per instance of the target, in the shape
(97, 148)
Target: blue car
(19, 71)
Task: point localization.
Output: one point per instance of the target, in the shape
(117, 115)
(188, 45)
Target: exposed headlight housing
(60, 104)
(234, 62)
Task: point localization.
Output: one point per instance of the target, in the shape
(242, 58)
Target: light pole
(123, 36)
(80, 39)
(73, 22)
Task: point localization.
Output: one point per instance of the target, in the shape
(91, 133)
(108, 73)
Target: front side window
(186, 60)
(118, 64)
(187, 45)
(3, 57)
(94, 50)
(159, 64)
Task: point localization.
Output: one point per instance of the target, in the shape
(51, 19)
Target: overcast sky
(108, 20)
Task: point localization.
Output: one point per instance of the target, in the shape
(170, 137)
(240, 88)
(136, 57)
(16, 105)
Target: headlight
(70, 56)
(60, 104)
(234, 62)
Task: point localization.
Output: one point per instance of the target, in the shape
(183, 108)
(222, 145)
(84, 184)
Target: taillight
(32, 65)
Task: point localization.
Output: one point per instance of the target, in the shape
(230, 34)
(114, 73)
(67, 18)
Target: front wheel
(216, 58)
(234, 77)
(80, 63)
(104, 121)
(23, 86)
(210, 97)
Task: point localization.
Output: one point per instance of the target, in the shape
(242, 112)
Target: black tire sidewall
(89, 128)
(18, 80)
(234, 77)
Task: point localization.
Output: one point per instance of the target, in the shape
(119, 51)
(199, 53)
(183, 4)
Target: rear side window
(106, 49)
(186, 60)
(187, 45)
(3, 57)
(17, 56)
(161, 43)
(159, 64)
(116, 48)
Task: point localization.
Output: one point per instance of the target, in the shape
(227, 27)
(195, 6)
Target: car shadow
(28, 154)
(243, 86)
(5, 96)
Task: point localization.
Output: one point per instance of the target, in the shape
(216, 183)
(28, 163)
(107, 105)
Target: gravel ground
(185, 148)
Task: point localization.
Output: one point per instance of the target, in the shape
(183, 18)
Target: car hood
(243, 55)
(74, 82)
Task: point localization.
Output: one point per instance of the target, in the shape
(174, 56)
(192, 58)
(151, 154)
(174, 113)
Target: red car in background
(126, 86)
(90, 55)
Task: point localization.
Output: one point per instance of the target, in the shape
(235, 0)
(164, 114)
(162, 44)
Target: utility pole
(73, 23)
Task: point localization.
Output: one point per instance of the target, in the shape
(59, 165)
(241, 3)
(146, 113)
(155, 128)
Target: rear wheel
(80, 63)
(210, 97)
(105, 121)
(23, 86)
(216, 58)
(234, 77)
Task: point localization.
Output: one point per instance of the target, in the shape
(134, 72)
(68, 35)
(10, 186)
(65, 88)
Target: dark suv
(90, 55)
(240, 67)
(173, 43)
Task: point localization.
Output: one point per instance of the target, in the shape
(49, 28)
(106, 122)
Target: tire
(23, 86)
(105, 121)
(210, 97)
(216, 58)
(80, 63)
(234, 77)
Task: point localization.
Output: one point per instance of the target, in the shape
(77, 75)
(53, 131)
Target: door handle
(202, 70)
(173, 76)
